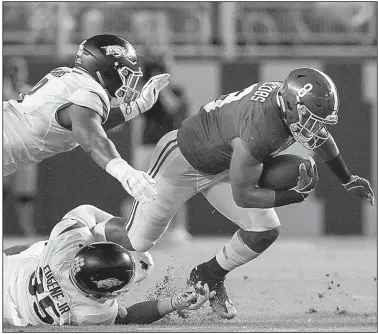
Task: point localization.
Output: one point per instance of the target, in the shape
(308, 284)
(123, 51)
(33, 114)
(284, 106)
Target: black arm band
(286, 197)
(15, 249)
(141, 313)
(116, 232)
(338, 167)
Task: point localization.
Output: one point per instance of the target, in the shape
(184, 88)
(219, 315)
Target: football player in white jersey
(74, 278)
(72, 106)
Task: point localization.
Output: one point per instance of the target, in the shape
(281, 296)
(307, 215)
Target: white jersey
(37, 288)
(31, 129)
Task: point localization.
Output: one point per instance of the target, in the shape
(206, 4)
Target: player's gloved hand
(145, 264)
(150, 92)
(137, 183)
(193, 298)
(360, 187)
(308, 179)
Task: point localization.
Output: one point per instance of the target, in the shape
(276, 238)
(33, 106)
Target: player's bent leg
(259, 229)
(147, 222)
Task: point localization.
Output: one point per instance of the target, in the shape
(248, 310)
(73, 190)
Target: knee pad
(259, 241)
(262, 220)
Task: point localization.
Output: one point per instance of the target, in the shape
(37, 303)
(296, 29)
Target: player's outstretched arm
(245, 172)
(88, 132)
(151, 311)
(356, 185)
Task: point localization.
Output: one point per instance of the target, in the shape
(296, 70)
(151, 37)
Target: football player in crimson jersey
(72, 106)
(221, 151)
(75, 277)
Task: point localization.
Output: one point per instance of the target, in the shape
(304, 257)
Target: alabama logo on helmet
(118, 52)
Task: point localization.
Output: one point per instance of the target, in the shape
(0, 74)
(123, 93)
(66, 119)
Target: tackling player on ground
(75, 277)
(221, 152)
(75, 106)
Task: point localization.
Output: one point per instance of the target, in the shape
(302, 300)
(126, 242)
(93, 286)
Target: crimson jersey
(252, 114)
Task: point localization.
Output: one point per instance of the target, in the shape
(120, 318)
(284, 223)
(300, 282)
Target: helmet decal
(108, 283)
(118, 52)
(305, 89)
(78, 262)
(79, 54)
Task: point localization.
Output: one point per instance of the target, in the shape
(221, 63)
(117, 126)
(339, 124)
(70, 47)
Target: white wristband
(130, 112)
(118, 168)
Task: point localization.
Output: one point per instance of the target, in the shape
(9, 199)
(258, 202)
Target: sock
(235, 253)
(213, 269)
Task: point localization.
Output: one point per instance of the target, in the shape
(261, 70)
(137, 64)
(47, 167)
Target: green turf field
(302, 285)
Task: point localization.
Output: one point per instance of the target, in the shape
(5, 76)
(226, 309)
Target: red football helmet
(310, 103)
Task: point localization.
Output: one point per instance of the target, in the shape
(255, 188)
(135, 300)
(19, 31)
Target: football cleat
(220, 303)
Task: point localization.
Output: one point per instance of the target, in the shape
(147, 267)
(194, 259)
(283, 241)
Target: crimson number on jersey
(225, 99)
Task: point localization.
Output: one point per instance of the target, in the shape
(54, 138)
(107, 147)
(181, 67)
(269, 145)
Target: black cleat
(220, 303)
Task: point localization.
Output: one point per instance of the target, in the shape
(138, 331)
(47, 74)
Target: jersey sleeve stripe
(72, 227)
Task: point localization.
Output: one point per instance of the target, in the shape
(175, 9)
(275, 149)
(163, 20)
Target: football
(282, 171)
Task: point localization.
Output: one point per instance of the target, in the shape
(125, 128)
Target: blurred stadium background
(215, 48)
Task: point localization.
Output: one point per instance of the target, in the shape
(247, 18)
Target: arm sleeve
(91, 100)
(140, 313)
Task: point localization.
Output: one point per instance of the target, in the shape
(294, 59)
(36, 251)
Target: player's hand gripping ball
(289, 171)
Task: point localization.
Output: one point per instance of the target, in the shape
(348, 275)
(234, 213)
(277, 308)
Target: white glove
(360, 187)
(193, 298)
(150, 92)
(144, 263)
(137, 183)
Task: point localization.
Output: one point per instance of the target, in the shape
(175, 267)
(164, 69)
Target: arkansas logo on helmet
(118, 52)
(108, 283)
